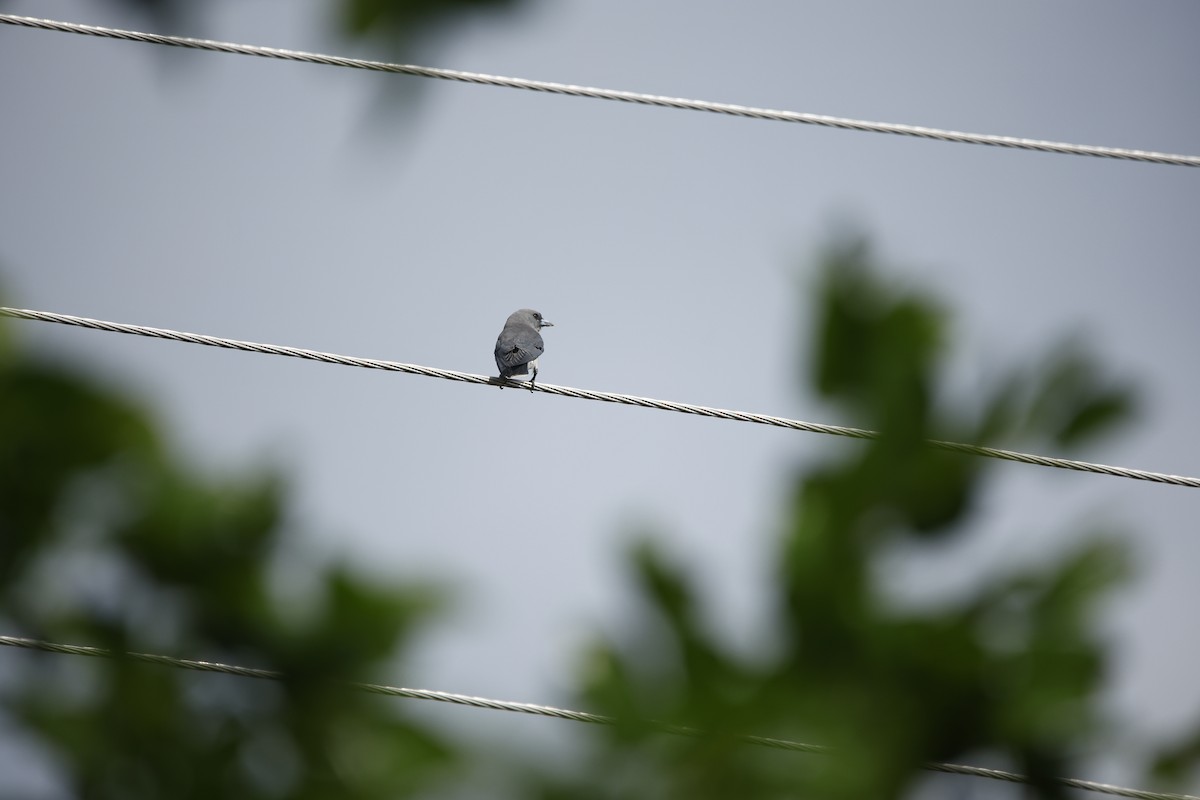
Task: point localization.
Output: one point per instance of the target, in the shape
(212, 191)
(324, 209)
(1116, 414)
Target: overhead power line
(611, 94)
(584, 394)
(561, 713)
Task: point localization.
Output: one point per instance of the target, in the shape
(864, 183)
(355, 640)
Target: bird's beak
(547, 324)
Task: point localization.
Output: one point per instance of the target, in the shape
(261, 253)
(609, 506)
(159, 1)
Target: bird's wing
(515, 348)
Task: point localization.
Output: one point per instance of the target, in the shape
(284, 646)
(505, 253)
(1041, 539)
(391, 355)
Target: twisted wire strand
(586, 394)
(559, 713)
(612, 94)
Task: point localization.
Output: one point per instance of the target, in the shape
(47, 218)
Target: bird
(520, 344)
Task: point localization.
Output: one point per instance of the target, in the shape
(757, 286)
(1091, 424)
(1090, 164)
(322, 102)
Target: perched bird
(520, 344)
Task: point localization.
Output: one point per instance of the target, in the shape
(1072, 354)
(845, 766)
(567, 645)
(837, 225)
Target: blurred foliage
(404, 21)
(396, 24)
(1009, 670)
(106, 539)
(1179, 762)
(395, 30)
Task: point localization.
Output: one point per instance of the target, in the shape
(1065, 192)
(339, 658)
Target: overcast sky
(269, 201)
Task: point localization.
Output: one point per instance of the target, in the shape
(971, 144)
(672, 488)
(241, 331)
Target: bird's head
(534, 318)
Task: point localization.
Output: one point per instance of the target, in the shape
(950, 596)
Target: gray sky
(254, 199)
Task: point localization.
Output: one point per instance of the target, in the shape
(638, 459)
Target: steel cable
(612, 94)
(561, 713)
(586, 394)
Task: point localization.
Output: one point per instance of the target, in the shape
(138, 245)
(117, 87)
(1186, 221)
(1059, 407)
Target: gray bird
(520, 344)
